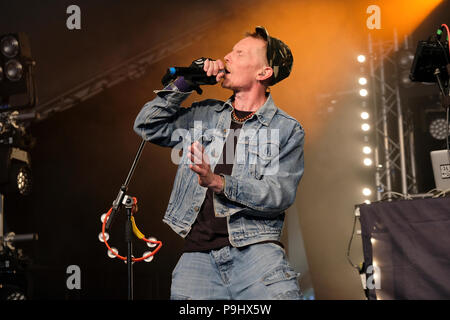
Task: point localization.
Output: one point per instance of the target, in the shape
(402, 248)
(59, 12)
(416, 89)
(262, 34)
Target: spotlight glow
(362, 81)
(364, 115)
(363, 92)
(365, 127)
(367, 162)
(367, 150)
(361, 58)
(366, 191)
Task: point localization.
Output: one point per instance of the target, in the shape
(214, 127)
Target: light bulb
(364, 115)
(367, 150)
(367, 162)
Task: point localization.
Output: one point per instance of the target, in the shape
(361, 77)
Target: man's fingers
(206, 65)
(212, 68)
(221, 64)
(194, 158)
(196, 153)
(219, 76)
(197, 169)
(215, 68)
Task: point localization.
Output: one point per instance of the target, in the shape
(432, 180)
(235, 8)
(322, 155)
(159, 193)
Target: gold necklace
(235, 117)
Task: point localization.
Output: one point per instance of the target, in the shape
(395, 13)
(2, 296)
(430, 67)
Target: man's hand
(206, 178)
(212, 68)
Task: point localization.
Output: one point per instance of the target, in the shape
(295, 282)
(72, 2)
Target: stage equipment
(17, 89)
(17, 92)
(393, 150)
(432, 64)
(14, 280)
(130, 204)
(405, 245)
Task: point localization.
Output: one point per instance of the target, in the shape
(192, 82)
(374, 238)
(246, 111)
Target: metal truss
(394, 152)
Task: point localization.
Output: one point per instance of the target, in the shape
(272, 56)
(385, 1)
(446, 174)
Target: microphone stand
(127, 201)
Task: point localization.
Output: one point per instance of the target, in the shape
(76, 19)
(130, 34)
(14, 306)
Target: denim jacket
(267, 166)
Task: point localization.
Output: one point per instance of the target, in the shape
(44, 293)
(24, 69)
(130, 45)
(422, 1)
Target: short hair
(257, 35)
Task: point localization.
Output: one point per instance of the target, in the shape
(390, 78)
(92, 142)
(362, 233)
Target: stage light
(364, 115)
(367, 162)
(17, 88)
(367, 201)
(361, 58)
(9, 46)
(102, 217)
(365, 127)
(18, 173)
(363, 92)
(23, 179)
(366, 192)
(13, 70)
(437, 128)
(372, 240)
(367, 150)
(405, 59)
(362, 81)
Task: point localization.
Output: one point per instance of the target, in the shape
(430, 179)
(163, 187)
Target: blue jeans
(259, 271)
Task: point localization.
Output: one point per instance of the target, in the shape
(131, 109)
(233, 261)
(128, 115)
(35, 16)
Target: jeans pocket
(281, 283)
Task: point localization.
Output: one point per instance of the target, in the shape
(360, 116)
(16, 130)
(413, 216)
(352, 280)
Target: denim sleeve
(159, 118)
(272, 194)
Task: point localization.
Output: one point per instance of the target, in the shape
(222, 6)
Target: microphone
(194, 74)
(190, 72)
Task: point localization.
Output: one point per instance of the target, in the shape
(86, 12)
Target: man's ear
(264, 74)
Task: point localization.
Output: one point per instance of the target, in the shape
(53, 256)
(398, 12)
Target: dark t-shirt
(208, 231)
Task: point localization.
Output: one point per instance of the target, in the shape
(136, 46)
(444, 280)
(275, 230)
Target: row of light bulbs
(365, 127)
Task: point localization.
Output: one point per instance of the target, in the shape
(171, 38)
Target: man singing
(241, 165)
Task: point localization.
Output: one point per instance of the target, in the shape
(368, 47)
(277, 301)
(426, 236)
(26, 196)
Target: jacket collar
(264, 114)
